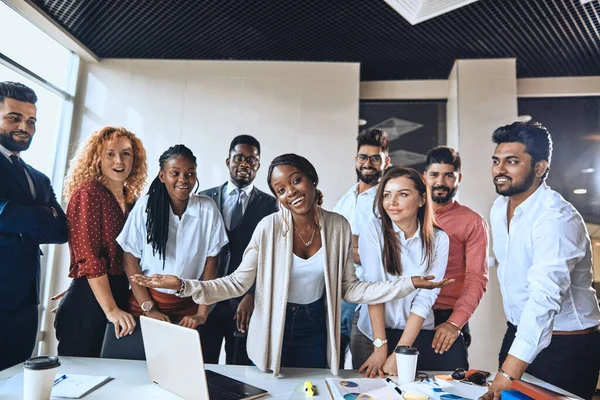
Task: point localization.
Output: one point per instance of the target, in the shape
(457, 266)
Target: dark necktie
(20, 172)
(238, 208)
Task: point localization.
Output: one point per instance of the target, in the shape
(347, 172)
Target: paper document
(77, 386)
(376, 389)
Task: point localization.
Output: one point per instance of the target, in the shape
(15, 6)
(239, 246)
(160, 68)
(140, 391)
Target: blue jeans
(305, 336)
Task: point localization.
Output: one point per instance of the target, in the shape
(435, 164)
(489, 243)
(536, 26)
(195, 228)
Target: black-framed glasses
(251, 160)
(363, 158)
(476, 378)
(421, 376)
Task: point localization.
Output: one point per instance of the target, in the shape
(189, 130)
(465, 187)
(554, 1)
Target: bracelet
(454, 325)
(181, 289)
(506, 375)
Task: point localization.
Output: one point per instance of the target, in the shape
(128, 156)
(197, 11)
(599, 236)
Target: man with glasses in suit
(242, 206)
(356, 206)
(29, 216)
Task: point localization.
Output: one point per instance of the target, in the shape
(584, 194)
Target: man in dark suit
(29, 216)
(242, 207)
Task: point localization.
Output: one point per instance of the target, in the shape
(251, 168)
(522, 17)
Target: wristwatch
(379, 342)
(147, 305)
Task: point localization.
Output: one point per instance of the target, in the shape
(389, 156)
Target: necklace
(311, 236)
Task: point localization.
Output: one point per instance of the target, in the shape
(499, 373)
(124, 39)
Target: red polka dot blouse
(94, 219)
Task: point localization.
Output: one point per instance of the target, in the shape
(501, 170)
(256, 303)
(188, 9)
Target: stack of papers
(376, 389)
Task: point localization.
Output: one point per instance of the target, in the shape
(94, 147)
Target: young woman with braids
(301, 260)
(103, 182)
(172, 230)
(402, 242)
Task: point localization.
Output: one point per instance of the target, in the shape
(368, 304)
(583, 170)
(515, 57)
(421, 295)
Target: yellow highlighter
(309, 389)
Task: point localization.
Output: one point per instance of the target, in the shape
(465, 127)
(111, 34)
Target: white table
(131, 380)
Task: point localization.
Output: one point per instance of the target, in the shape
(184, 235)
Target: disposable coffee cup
(406, 359)
(39, 374)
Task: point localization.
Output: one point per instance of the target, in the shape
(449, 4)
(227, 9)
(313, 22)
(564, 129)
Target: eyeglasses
(363, 158)
(474, 377)
(251, 160)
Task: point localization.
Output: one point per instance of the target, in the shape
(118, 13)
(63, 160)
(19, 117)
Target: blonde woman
(103, 182)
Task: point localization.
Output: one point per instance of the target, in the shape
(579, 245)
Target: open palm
(157, 281)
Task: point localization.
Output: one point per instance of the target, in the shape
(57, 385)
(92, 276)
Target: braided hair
(157, 209)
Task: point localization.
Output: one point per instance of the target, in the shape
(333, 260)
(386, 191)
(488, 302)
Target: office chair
(428, 360)
(130, 347)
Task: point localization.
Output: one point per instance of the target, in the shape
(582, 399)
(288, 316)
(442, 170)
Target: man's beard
(7, 140)
(450, 193)
(517, 188)
(369, 179)
(241, 182)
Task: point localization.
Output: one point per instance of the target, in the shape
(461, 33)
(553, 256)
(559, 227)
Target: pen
(393, 385)
(59, 380)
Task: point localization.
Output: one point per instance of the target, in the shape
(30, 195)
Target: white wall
(482, 96)
(305, 108)
(573, 86)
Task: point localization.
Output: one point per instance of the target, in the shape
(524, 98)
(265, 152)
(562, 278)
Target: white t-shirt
(200, 233)
(307, 280)
(420, 302)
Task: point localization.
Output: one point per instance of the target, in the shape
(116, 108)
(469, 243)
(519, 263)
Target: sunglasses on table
(475, 377)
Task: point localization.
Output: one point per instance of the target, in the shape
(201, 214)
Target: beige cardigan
(268, 260)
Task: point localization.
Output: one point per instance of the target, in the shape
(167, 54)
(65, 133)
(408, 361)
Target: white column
(482, 96)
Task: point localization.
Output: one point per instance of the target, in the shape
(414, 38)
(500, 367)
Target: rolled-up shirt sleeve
(424, 299)
(558, 247)
(133, 236)
(217, 236)
(85, 234)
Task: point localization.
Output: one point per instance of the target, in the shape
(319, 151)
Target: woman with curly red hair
(104, 180)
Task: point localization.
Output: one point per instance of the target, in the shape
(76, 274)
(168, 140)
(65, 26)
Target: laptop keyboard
(218, 387)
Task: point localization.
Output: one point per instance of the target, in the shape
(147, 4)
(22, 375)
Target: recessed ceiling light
(362, 122)
(587, 170)
(580, 191)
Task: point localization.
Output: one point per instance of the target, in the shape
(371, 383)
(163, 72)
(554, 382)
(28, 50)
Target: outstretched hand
(157, 281)
(426, 282)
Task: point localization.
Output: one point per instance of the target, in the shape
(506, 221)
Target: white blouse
(200, 233)
(420, 302)
(307, 279)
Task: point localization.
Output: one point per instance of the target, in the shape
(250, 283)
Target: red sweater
(467, 260)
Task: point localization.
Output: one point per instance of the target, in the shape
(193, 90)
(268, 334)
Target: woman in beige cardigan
(282, 259)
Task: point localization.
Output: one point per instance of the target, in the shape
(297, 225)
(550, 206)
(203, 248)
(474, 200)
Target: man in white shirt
(356, 206)
(544, 270)
(242, 206)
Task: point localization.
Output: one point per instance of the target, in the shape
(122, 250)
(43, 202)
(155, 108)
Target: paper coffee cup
(406, 360)
(39, 374)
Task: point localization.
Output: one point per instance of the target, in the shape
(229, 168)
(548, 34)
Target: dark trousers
(455, 357)
(305, 336)
(347, 314)
(441, 316)
(80, 322)
(569, 362)
(18, 330)
(220, 326)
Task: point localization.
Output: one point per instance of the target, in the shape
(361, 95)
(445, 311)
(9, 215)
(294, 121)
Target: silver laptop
(175, 363)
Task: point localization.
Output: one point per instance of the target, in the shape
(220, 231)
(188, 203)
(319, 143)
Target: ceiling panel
(548, 37)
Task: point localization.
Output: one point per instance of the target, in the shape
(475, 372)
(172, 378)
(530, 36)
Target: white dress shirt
(7, 153)
(199, 234)
(420, 302)
(307, 279)
(544, 270)
(230, 198)
(357, 209)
